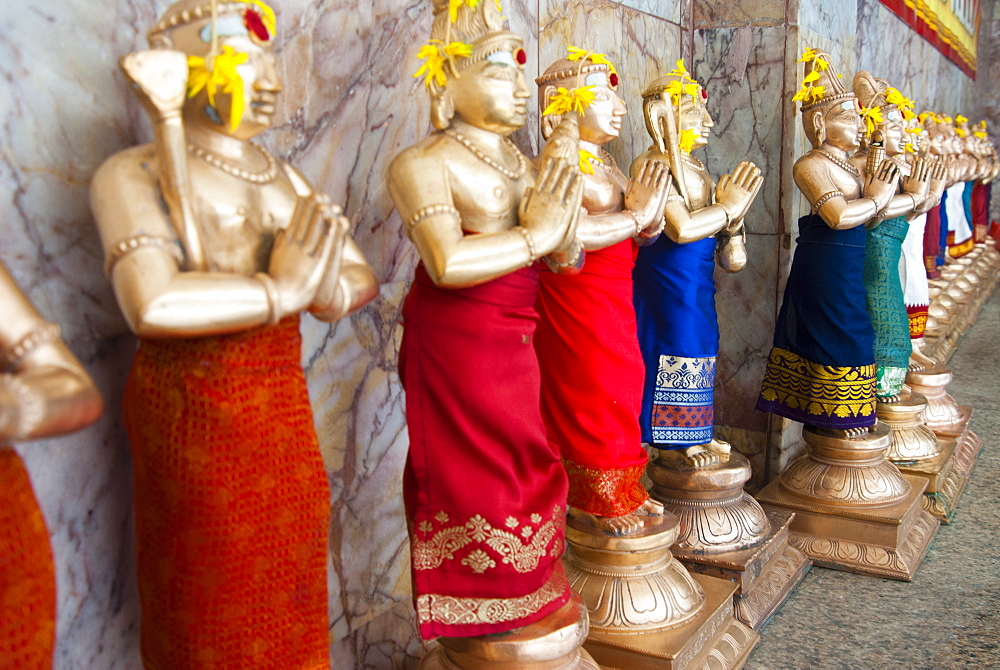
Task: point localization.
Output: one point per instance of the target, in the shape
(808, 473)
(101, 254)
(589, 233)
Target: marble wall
(349, 105)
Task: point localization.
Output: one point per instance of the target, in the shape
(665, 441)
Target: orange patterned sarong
(232, 503)
(27, 576)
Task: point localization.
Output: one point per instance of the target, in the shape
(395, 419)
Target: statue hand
(646, 194)
(550, 210)
(301, 253)
(916, 183)
(10, 411)
(737, 192)
(882, 185)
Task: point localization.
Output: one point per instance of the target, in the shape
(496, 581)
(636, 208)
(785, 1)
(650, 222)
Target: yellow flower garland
(216, 74)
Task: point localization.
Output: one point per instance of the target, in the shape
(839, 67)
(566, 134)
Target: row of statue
(562, 317)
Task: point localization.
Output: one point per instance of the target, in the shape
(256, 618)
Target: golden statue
(43, 392)
(674, 283)
(481, 216)
(214, 247)
(587, 319)
(824, 337)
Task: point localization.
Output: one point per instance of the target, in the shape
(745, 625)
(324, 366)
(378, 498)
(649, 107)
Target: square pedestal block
(712, 640)
(947, 474)
(764, 575)
(886, 541)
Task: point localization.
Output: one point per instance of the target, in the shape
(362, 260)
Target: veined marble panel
(830, 19)
(753, 445)
(643, 47)
(671, 10)
(728, 14)
(747, 308)
(743, 71)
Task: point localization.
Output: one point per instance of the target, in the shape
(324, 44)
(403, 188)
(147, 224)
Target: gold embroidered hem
(918, 321)
(521, 545)
(962, 248)
(605, 491)
(819, 395)
(458, 611)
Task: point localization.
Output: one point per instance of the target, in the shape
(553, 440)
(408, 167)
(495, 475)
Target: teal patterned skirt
(884, 297)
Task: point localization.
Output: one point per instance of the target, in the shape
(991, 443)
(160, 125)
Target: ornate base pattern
(943, 503)
(714, 640)
(871, 559)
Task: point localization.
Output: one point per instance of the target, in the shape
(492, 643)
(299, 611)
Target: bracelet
(127, 246)
(30, 405)
(526, 234)
(271, 291)
(638, 224)
(429, 211)
(824, 198)
(44, 333)
(573, 262)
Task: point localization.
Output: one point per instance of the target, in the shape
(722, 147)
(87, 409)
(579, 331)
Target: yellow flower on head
(909, 148)
(961, 119)
(807, 56)
(960, 132)
(873, 117)
(686, 142)
(585, 165)
(220, 76)
(453, 6)
(981, 134)
(570, 100)
(435, 54)
(576, 53)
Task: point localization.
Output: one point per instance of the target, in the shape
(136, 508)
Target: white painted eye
(229, 24)
(502, 58)
(596, 79)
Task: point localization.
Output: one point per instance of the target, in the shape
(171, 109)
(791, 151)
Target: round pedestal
(942, 410)
(554, 643)
(843, 472)
(912, 441)
(716, 514)
(957, 292)
(631, 583)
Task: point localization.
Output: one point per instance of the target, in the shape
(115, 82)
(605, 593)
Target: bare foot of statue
(620, 525)
(700, 455)
(845, 433)
(920, 361)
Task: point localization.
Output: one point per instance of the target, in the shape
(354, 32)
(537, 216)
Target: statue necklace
(513, 175)
(840, 162)
(269, 174)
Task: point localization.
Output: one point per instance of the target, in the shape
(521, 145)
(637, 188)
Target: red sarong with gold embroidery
(592, 375)
(232, 504)
(27, 575)
(485, 493)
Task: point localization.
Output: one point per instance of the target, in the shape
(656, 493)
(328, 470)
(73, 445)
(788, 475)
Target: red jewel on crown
(704, 94)
(613, 78)
(521, 56)
(255, 25)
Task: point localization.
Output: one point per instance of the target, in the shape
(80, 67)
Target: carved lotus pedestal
(723, 532)
(646, 610)
(854, 510)
(948, 473)
(554, 643)
(910, 441)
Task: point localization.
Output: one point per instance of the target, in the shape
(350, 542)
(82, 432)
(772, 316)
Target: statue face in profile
(492, 93)
(843, 124)
(602, 122)
(693, 115)
(244, 56)
(894, 133)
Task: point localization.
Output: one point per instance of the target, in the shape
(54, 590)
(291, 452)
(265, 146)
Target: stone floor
(949, 616)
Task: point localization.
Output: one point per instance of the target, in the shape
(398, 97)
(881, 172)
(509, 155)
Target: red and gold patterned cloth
(485, 492)
(27, 575)
(917, 315)
(232, 503)
(592, 375)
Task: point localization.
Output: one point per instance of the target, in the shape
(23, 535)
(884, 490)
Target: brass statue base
(764, 574)
(726, 533)
(554, 643)
(854, 510)
(646, 610)
(947, 474)
(958, 297)
(943, 414)
(912, 441)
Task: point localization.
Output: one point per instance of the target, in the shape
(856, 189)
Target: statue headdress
(567, 86)
(464, 32)
(880, 102)
(661, 103)
(821, 84)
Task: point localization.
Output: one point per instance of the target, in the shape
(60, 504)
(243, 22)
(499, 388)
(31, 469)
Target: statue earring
(442, 110)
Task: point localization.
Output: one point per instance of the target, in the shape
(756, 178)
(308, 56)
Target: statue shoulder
(420, 160)
(124, 166)
(650, 154)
